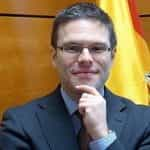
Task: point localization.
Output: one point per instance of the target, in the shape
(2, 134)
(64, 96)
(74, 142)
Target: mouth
(84, 71)
(84, 74)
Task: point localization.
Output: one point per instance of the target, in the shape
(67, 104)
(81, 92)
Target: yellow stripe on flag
(132, 60)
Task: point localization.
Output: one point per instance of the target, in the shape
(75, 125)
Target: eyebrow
(82, 43)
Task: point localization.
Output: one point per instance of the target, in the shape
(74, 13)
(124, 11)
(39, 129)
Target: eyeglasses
(78, 48)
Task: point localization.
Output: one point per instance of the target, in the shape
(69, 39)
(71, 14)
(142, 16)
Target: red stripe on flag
(135, 17)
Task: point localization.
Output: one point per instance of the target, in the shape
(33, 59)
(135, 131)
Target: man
(81, 112)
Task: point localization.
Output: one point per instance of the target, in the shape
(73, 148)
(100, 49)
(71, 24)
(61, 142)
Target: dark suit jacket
(44, 124)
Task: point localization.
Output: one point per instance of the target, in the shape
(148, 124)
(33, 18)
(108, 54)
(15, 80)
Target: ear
(53, 56)
(113, 53)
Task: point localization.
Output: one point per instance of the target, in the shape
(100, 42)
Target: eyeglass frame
(81, 47)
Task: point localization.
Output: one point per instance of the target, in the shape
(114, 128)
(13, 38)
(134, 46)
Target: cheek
(105, 62)
(67, 62)
(64, 64)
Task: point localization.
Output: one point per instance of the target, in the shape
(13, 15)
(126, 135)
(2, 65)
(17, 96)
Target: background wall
(26, 71)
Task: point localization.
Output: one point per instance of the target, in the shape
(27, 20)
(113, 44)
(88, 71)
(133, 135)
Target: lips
(84, 72)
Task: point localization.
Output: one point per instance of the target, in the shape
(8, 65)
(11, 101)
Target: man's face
(86, 67)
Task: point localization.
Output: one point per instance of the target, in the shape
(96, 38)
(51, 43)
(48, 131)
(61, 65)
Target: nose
(85, 57)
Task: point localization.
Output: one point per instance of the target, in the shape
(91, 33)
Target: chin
(86, 83)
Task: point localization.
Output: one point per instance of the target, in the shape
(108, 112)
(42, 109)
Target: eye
(72, 48)
(98, 49)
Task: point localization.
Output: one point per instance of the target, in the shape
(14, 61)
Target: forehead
(83, 30)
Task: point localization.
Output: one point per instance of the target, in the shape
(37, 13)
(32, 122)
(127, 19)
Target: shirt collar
(71, 104)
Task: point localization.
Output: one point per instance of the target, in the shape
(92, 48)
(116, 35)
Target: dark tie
(83, 136)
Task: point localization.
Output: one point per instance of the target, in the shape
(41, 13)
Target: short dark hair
(83, 10)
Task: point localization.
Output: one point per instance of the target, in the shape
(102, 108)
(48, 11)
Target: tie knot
(77, 113)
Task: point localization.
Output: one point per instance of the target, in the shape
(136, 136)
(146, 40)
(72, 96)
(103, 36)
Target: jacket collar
(56, 123)
(57, 126)
(116, 111)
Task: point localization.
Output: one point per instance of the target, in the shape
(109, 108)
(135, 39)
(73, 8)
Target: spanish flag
(132, 60)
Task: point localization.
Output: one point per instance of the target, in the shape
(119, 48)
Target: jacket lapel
(116, 112)
(56, 124)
